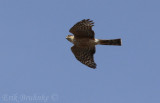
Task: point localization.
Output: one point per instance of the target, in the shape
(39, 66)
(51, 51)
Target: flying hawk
(84, 42)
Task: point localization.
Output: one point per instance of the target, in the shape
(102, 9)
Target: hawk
(84, 42)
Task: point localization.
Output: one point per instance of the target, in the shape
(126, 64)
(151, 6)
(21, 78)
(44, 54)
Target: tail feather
(110, 42)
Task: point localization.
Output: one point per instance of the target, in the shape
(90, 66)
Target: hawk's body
(84, 42)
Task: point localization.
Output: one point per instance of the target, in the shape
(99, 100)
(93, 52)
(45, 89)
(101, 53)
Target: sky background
(36, 60)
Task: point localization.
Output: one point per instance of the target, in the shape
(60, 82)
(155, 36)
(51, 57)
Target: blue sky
(36, 60)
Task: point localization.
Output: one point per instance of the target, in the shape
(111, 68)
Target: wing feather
(83, 29)
(85, 55)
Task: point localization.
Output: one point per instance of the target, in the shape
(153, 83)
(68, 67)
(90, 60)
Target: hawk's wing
(83, 29)
(85, 55)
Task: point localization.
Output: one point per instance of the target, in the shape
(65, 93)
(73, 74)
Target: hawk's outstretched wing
(85, 55)
(83, 29)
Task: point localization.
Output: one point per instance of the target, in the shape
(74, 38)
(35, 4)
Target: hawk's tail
(110, 42)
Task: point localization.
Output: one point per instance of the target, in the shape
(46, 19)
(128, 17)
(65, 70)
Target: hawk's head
(70, 38)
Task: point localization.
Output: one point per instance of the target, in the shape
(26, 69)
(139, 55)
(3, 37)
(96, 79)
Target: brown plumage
(84, 42)
(110, 42)
(85, 55)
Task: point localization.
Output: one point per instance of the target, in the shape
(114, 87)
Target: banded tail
(110, 42)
